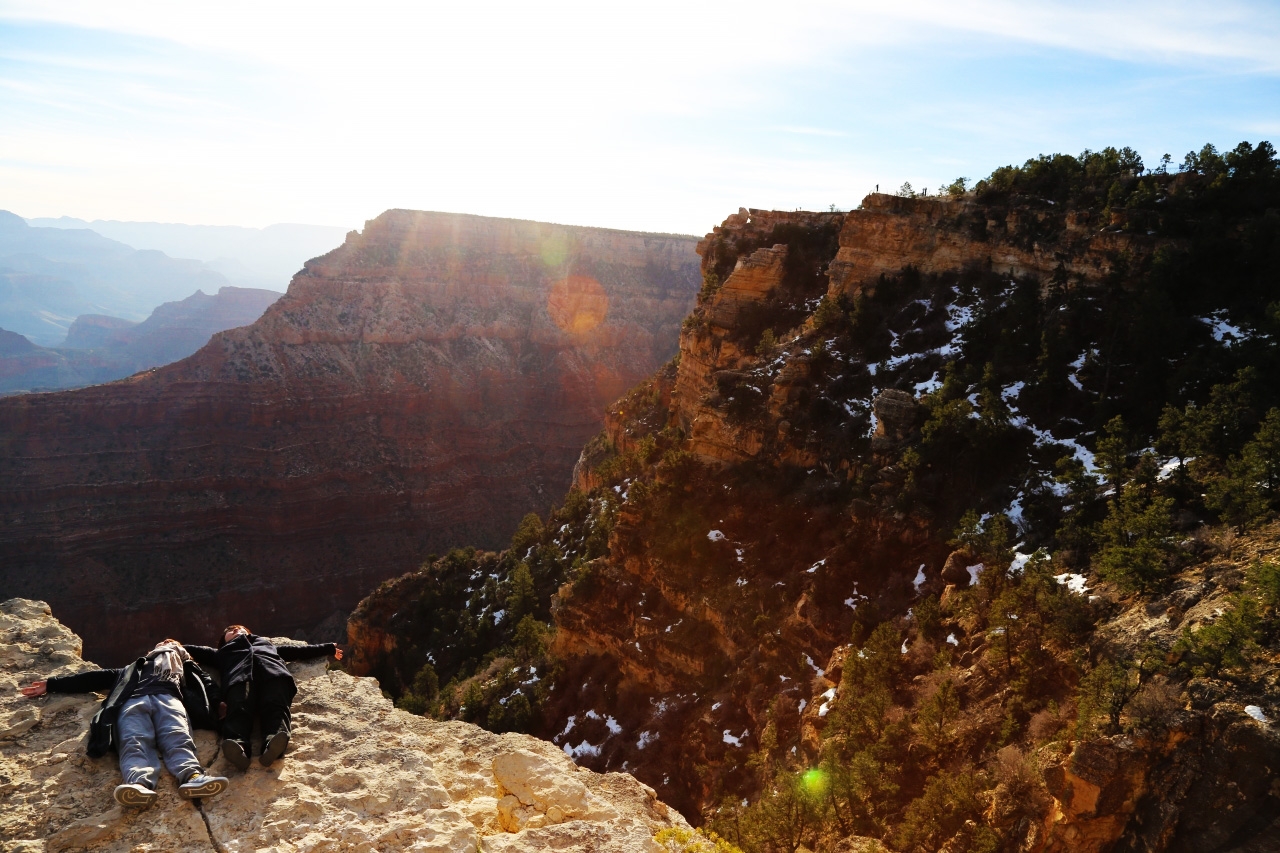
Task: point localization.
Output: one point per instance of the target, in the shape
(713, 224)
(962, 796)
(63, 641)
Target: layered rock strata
(359, 775)
(423, 386)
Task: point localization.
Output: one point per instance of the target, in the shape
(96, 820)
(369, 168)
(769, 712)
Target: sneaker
(274, 748)
(234, 752)
(135, 796)
(199, 785)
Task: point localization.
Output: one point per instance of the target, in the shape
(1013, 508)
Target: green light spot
(814, 781)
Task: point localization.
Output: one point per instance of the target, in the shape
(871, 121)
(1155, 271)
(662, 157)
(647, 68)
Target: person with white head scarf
(144, 719)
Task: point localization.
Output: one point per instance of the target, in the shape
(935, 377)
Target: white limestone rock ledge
(359, 776)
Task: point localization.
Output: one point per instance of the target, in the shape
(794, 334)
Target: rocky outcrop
(359, 775)
(423, 386)
(888, 233)
(100, 349)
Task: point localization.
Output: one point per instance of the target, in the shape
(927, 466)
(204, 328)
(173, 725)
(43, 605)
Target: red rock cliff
(424, 385)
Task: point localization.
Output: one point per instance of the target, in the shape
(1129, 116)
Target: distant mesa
(422, 386)
(101, 348)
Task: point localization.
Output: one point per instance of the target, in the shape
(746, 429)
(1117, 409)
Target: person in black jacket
(144, 710)
(256, 684)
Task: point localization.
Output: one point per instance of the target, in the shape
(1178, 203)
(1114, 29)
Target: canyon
(424, 385)
(101, 348)
(789, 543)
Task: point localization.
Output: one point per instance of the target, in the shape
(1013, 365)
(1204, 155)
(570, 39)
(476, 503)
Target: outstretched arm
(203, 655)
(312, 650)
(83, 682)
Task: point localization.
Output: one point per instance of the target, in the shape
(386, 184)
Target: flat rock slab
(359, 776)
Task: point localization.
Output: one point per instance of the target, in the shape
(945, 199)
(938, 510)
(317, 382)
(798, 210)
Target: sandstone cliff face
(721, 614)
(359, 776)
(424, 385)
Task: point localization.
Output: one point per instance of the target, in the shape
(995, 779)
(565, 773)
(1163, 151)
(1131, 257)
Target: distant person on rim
(256, 684)
(144, 710)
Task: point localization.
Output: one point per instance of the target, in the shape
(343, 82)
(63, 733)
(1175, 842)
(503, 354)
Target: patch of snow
(1255, 712)
(803, 704)
(1074, 381)
(734, 740)
(499, 616)
(1012, 392)
(581, 749)
(1167, 469)
(716, 705)
(612, 725)
(591, 715)
(783, 679)
(738, 551)
(904, 647)
(1020, 561)
(715, 536)
(827, 698)
(815, 566)
(814, 666)
(1222, 331)
(740, 582)
(920, 579)
(997, 631)
(646, 738)
(951, 638)
(974, 571)
(567, 726)
(849, 602)
(958, 317)
(928, 386)
(1073, 582)
(1015, 510)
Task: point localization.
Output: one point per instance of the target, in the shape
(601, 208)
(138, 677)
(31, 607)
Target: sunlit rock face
(359, 775)
(422, 386)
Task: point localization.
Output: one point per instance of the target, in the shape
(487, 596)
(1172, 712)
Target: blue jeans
(144, 723)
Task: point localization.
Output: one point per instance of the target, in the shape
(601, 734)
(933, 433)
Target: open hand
(337, 653)
(37, 688)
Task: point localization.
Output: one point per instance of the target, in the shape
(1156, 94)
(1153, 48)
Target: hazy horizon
(661, 119)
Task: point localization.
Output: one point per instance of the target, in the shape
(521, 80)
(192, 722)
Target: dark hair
(222, 637)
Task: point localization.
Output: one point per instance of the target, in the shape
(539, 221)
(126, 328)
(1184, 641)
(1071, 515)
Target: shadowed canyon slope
(867, 559)
(424, 385)
(359, 775)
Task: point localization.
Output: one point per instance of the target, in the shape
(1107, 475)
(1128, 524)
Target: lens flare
(577, 304)
(814, 781)
(554, 250)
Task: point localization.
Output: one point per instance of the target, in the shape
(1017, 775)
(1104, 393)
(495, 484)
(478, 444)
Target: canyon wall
(424, 385)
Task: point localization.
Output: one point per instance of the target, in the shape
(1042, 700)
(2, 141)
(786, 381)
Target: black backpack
(200, 696)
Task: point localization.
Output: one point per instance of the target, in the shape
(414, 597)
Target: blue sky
(661, 116)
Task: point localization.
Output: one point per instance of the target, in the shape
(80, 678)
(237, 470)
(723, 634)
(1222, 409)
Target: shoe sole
(133, 798)
(235, 754)
(274, 749)
(211, 788)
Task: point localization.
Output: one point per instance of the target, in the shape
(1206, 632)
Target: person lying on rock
(256, 684)
(143, 711)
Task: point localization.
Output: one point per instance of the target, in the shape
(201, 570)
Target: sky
(661, 116)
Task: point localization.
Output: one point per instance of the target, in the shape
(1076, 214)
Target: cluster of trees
(475, 627)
